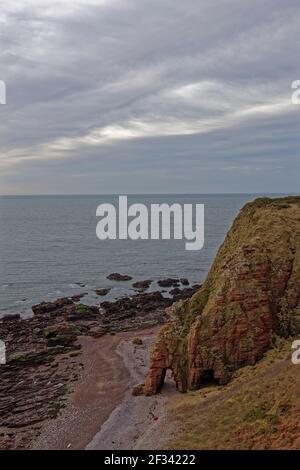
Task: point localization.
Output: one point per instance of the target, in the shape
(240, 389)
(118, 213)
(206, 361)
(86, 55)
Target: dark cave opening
(208, 379)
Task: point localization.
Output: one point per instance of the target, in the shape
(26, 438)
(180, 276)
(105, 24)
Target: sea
(49, 248)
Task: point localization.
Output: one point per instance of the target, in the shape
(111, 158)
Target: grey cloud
(101, 95)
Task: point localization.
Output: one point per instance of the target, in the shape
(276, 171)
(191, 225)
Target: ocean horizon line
(151, 194)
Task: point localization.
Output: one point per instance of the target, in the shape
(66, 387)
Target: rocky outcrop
(184, 293)
(119, 277)
(169, 282)
(102, 292)
(142, 285)
(78, 297)
(251, 294)
(47, 307)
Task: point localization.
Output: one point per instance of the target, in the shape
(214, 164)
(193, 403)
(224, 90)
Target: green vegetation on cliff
(258, 409)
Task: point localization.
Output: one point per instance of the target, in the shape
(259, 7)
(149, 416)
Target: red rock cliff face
(251, 293)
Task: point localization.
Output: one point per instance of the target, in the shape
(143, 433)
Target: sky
(149, 96)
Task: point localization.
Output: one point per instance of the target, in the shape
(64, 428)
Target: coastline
(100, 396)
(138, 422)
(70, 366)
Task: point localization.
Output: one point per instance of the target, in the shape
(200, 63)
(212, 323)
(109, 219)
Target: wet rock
(12, 317)
(139, 303)
(175, 292)
(169, 282)
(196, 286)
(132, 313)
(102, 292)
(34, 381)
(78, 297)
(184, 293)
(81, 312)
(48, 307)
(142, 285)
(64, 341)
(119, 277)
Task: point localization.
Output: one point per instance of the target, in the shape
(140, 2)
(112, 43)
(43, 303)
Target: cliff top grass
(259, 408)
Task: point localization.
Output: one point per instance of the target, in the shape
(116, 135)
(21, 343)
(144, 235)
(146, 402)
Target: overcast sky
(149, 96)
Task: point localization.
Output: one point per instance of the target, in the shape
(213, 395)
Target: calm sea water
(49, 249)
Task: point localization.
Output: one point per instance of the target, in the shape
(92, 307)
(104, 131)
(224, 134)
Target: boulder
(142, 285)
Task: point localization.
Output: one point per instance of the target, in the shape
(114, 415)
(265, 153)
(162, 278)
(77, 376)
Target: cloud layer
(149, 96)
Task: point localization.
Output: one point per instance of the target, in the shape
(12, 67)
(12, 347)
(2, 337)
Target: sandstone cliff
(250, 296)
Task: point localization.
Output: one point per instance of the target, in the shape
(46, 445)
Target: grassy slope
(259, 409)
